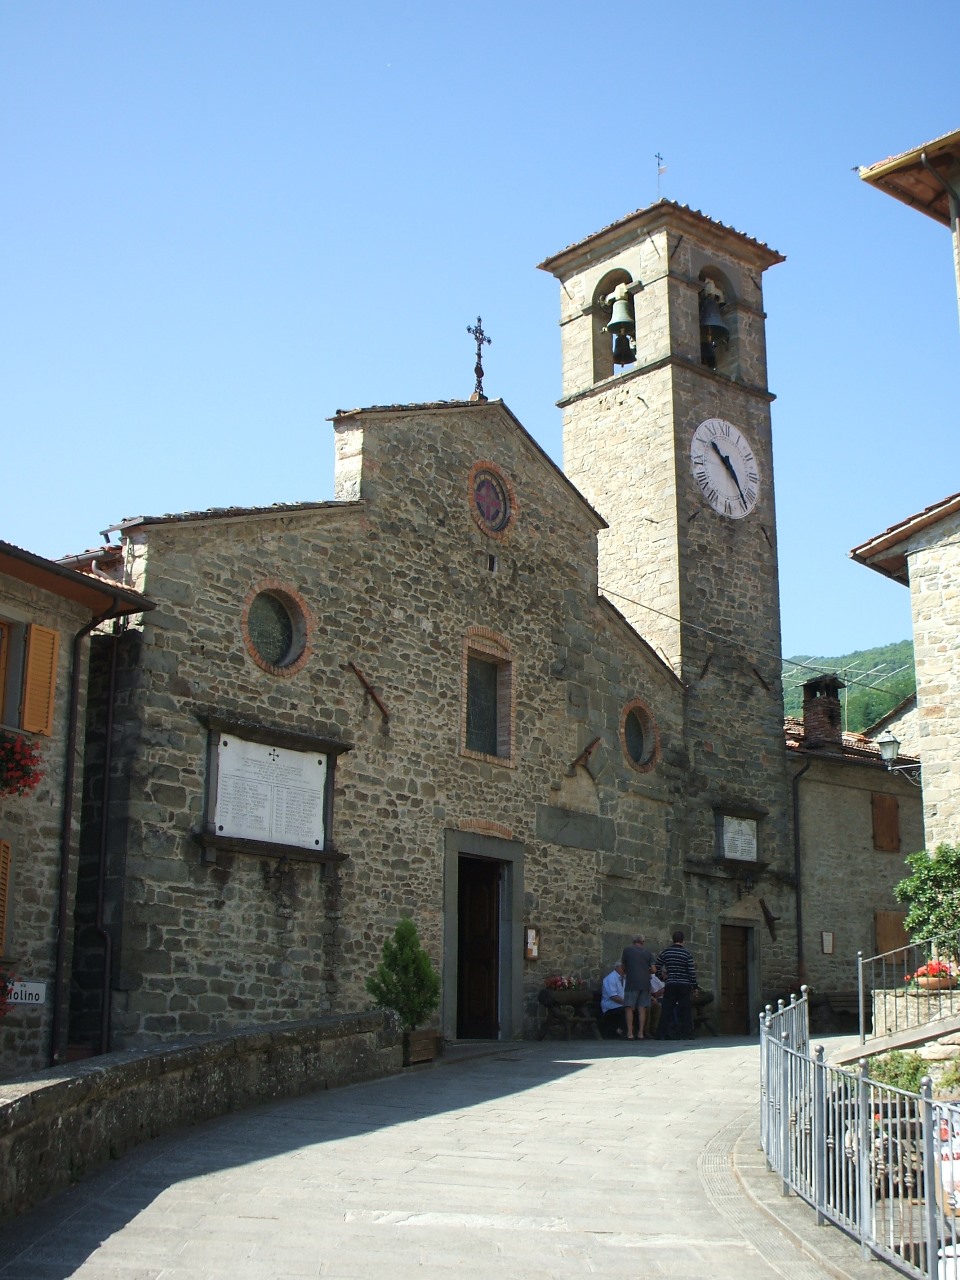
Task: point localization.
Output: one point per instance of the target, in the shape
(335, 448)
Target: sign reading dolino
(23, 994)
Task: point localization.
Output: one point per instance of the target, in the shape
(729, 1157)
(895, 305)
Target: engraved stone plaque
(269, 793)
(740, 838)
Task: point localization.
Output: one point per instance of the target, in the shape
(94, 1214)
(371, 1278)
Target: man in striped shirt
(675, 966)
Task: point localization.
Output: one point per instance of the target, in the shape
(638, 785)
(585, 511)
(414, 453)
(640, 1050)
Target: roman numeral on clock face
(725, 468)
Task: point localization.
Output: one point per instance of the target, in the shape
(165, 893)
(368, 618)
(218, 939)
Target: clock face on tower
(725, 468)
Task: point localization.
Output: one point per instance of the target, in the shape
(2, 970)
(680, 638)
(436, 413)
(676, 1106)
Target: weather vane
(661, 170)
(481, 338)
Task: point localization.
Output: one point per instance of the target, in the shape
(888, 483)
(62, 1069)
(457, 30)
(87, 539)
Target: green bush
(902, 1070)
(405, 980)
(931, 892)
(949, 1082)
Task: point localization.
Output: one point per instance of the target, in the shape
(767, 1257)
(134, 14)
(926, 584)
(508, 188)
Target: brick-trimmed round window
(639, 736)
(492, 499)
(276, 628)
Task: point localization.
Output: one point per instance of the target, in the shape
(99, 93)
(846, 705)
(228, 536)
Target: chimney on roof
(822, 720)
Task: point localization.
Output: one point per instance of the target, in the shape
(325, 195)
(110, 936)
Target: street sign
(27, 993)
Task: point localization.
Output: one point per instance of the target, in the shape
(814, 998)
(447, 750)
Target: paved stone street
(537, 1160)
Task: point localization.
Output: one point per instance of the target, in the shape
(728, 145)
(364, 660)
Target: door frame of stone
(509, 854)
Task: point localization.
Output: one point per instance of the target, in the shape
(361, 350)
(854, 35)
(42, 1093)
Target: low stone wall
(59, 1124)
(899, 1010)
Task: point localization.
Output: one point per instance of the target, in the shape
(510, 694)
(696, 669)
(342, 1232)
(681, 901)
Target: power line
(725, 640)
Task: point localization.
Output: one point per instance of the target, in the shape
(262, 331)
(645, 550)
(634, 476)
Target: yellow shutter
(4, 892)
(40, 679)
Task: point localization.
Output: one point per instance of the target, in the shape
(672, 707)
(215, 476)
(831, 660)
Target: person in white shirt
(613, 1021)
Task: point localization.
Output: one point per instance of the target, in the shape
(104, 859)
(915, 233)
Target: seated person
(613, 1021)
(656, 1000)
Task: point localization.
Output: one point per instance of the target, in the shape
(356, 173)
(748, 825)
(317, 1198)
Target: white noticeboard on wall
(740, 838)
(269, 793)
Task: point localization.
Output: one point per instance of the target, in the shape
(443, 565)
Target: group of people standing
(644, 995)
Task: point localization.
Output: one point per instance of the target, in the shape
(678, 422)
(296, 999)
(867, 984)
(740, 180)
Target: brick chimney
(822, 720)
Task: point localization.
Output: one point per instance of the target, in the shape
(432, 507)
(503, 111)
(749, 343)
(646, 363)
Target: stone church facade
(532, 716)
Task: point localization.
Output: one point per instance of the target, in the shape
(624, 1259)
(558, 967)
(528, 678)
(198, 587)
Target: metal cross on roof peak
(476, 331)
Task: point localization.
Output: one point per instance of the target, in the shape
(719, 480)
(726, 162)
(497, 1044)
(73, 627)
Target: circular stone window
(275, 630)
(638, 735)
(491, 498)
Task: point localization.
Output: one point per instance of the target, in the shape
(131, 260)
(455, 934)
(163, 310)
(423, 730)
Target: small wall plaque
(531, 943)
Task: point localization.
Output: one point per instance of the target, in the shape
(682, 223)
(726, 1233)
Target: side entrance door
(734, 987)
(478, 951)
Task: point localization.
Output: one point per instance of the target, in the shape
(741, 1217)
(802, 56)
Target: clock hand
(724, 458)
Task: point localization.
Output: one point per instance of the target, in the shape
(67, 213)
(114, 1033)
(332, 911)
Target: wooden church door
(734, 981)
(478, 957)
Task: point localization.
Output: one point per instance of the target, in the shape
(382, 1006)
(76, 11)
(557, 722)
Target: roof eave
(101, 599)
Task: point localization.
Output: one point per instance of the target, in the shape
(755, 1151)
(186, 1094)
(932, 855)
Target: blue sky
(224, 221)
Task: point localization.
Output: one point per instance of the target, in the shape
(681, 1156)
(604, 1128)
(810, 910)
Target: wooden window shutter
(886, 822)
(4, 892)
(40, 679)
(891, 935)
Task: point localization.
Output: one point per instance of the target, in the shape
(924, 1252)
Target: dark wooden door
(478, 957)
(891, 935)
(734, 987)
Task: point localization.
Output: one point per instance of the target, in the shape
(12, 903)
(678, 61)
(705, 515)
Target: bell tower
(667, 433)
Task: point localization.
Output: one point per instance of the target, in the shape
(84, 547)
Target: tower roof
(609, 238)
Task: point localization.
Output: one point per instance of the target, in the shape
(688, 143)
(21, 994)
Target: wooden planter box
(420, 1046)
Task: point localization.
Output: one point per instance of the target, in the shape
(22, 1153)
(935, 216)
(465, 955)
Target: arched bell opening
(719, 348)
(614, 324)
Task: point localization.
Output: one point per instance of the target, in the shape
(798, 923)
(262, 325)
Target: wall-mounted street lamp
(889, 750)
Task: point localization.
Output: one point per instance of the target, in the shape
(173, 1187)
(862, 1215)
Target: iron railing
(895, 999)
(880, 1163)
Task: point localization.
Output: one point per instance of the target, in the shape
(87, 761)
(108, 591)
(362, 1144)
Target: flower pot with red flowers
(20, 762)
(935, 975)
(561, 990)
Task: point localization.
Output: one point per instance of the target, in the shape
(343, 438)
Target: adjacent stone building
(923, 553)
(46, 614)
(854, 823)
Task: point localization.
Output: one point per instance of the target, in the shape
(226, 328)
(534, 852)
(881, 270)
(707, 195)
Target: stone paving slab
(538, 1160)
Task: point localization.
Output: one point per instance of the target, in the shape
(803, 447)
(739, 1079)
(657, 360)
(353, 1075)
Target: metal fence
(895, 992)
(880, 1163)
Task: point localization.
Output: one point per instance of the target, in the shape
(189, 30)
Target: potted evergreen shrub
(406, 982)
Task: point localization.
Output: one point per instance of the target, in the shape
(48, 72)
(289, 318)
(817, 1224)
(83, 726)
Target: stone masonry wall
(63, 1123)
(32, 826)
(934, 561)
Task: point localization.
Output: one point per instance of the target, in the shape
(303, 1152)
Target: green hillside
(876, 679)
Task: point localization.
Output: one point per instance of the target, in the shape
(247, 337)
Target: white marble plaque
(740, 838)
(269, 793)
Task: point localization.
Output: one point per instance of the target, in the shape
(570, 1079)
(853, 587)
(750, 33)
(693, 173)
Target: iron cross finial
(481, 338)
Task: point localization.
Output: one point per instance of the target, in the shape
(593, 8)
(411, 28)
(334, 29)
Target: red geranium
(933, 969)
(6, 982)
(20, 762)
